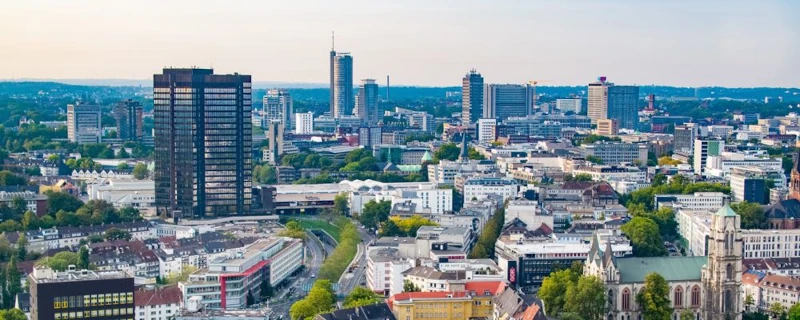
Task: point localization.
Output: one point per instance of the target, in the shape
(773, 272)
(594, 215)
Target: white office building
(487, 130)
(565, 105)
(304, 123)
(709, 201)
(83, 123)
(483, 187)
(702, 150)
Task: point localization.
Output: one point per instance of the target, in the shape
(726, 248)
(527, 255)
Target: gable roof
(785, 209)
(161, 296)
(380, 311)
(634, 270)
(726, 211)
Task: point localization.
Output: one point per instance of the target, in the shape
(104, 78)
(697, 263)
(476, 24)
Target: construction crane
(533, 83)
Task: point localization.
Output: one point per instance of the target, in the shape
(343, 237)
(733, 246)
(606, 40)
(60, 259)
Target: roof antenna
(333, 34)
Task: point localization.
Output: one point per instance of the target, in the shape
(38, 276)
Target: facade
(203, 137)
(710, 287)
(471, 97)
(36, 203)
(685, 136)
(751, 184)
(702, 150)
(341, 84)
(427, 198)
(565, 105)
(128, 114)
(385, 267)
(229, 278)
(480, 188)
(616, 152)
(623, 106)
(367, 102)
(474, 302)
(487, 130)
(501, 101)
(275, 134)
(304, 123)
(710, 201)
(612, 173)
(80, 294)
(278, 107)
(597, 107)
(83, 123)
(370, 136)
(607, 127)
(157, 303)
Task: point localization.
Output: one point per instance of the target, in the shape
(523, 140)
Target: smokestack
(387, 87)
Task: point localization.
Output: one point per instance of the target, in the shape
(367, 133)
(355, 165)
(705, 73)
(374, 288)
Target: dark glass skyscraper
(203, 138)
(367, 102)
(342, 85)
(128, 114)
(471, 97)
(623, 105)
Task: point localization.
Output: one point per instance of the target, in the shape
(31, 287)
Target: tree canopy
(645, 237)
(654, 298)
(361, 296)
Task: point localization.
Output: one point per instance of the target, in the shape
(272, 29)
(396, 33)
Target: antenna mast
(333, 41)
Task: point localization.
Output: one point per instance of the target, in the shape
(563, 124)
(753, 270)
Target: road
(350, 280)
(281, 304)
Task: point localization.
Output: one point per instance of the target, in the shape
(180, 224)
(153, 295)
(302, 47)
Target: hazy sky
(420, 42)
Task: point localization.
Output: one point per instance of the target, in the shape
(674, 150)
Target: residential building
(83, 123)
(616, 152)
(710, 201)
(202, 120)
(229, 278)
(487, 130)
(474, 302)
(380, 311)
(607, 127)
(369, 136)
(385, 267)
(445, 171)
(80, 294)
(566, 121)
(304, 123)
(704, 148)
(157, 303)
(565, 105)
(471, 97)
(278, 106)
(692, 281)
(341, 84)
(367, 102)
(612, 173)
(128, 114)
(426, 197)
(34, 202)
(721, 165)
(501, 101)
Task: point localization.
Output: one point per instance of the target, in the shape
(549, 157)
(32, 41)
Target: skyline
(715, 43)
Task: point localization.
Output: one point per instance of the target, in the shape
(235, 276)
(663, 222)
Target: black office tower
(471, 97)
(128, 114)
(80, 294)
(203, 137)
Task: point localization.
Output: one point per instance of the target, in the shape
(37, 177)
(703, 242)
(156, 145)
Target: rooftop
(47, 275)
(634, 270)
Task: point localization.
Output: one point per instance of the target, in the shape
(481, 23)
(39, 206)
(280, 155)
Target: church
(708, 286)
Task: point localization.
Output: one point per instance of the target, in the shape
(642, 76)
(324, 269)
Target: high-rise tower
(203, 141)
(607, 101)
(278, 107)
(128, 114)
(367, 101)
(341, 82)
(471, 97)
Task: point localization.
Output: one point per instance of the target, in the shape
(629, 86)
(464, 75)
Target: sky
(417, 42)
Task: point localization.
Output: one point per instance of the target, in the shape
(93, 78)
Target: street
(315, 257)
(350, 280)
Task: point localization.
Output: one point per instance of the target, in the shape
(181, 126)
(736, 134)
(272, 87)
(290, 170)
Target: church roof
(726, 211)
(785, 209)
(427, 156)
(634, 270)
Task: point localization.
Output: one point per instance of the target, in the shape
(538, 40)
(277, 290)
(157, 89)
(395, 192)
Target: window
(729, 272)
(626, 299)
(678, 299)
(695, 297)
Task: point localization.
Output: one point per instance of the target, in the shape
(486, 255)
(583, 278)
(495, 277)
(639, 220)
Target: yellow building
(474, 302)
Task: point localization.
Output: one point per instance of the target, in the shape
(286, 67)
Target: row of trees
(320, 299)
(63, 210)
(404, 227)
(336, 263)
(451, 151)
(484, 247)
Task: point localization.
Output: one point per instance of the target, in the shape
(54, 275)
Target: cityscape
(211, 193)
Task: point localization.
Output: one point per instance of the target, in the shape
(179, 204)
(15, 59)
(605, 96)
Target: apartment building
(475, 301)
(616, 152)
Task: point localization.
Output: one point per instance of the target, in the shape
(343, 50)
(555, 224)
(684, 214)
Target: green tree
(361, 296)
(12, 314)
(140, 171)
(374, 213)
(594, 159)
(14, 277)
(60, 261)
(22, 250)
(659, 179)
(83, 255)
(474, 154)
(687, 314)
(578, 177)
(654, 298)
(645, 237)
(409, 286)
(448, 151)
(117, 234)
(751, 214)
(182, 276)
(554, 290)
(794, 311)
(390, 229)
(302, 310)
(123, 165)
(587, 298)
(30, 221)
(341, 204)
(57, 201)
(777, 310)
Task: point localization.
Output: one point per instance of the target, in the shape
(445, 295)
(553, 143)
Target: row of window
(65, 302)
(93, 313)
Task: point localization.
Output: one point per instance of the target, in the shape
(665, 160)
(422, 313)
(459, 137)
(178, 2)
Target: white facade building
(565, 105)
(304, 123)
(385, 268)
(487, 130)
(709, 201)
(427, 198)
(612, 173)
(479, 188)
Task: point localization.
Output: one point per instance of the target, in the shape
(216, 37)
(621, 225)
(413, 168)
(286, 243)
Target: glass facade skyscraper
(341, 85)
(367, 101)
(203, 138)
(471, 97)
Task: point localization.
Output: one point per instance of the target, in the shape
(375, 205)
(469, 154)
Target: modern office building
(369, 136)
(80, 294)
(565, 105)
(341, 84)
(128, 114)
(685, 135)
(275, 137)
(471, 97)
(367, 101)
(607, 101)
(616, 152)
(487, 130)
(607, 127)
(304, 123)
(83, 123)
(203, 138)
(501, 101)
(702, 149)
(278, 107)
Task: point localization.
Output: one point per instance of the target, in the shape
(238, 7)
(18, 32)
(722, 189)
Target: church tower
(794, 184)
(722, 275)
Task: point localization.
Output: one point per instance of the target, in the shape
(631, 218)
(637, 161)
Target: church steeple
(722, 276)
(794, 184)
(464, 156)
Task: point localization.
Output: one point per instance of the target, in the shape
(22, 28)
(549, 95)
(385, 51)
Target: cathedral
(710, 287)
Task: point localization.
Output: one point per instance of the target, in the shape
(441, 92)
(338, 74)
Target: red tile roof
(478, 287)
(153, 297)
(530, 312)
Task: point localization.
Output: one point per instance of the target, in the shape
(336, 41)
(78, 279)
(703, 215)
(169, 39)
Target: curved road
(314, 258)
(350, 280)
